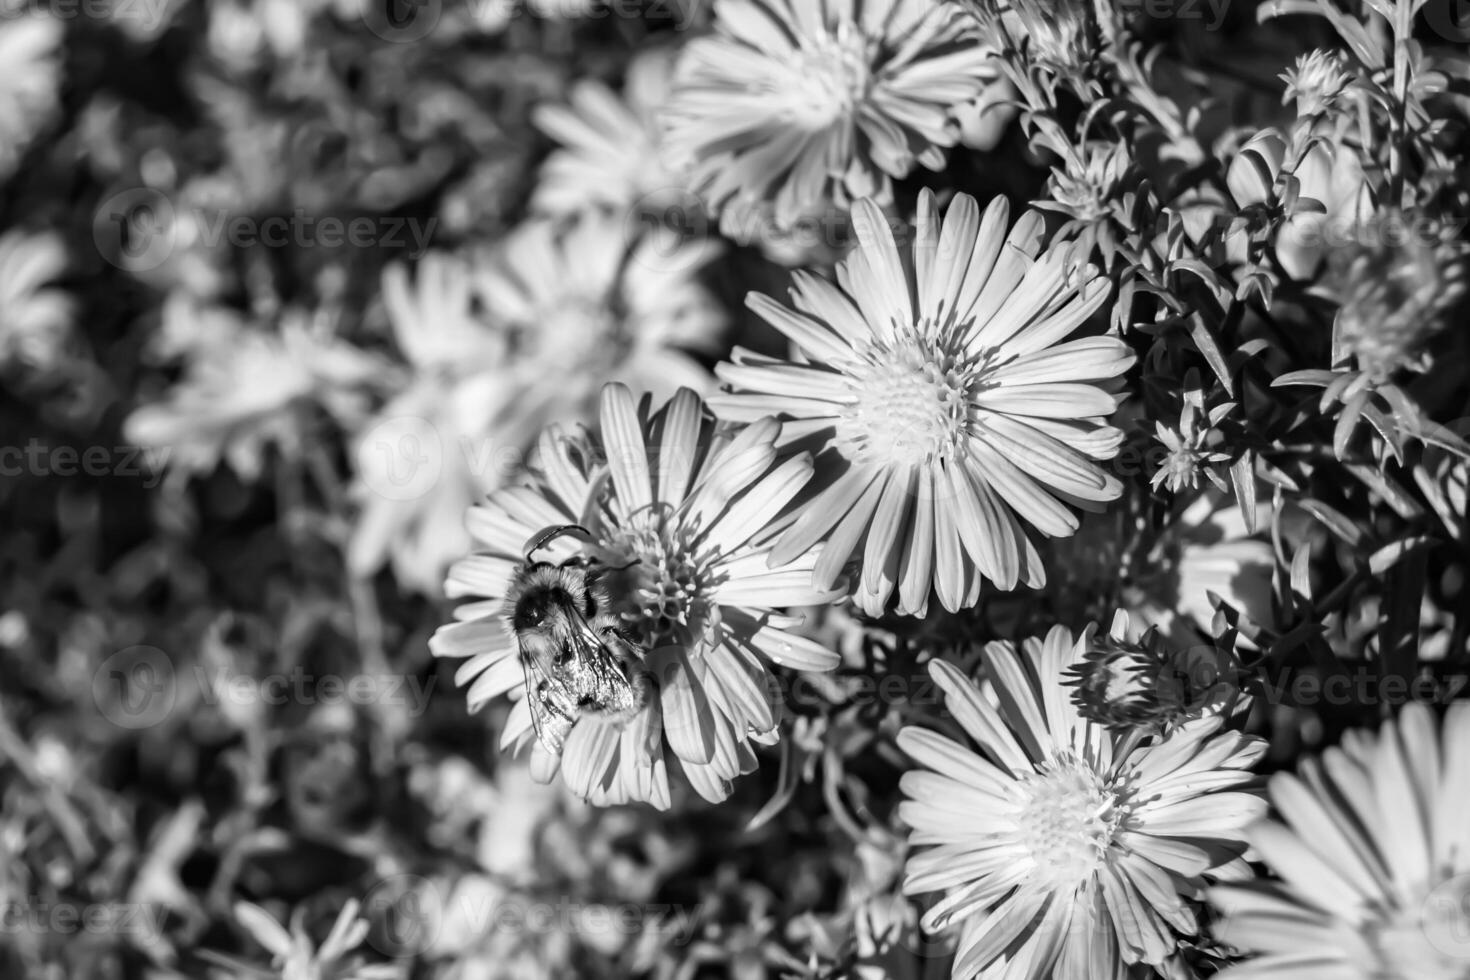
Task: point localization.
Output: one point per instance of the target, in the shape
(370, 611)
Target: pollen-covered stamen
(1067, 820)
(830, 75)
(664, 587)
(910, 405)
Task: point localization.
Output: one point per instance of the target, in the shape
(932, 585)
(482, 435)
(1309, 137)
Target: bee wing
(551, 703)
(609, 666)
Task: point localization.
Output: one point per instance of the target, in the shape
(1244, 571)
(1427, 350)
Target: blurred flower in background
(35, 317)
(439, 444)
(806, 107)
(238, 399)
(610, 154)
(1396, 284)
(1373, 852)
(30, 44)
(595, 299)
(501, 345)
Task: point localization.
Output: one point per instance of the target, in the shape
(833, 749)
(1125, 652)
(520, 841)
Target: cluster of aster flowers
(945, 417)
(987, 431)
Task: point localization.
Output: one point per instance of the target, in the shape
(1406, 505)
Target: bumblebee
(577, 656)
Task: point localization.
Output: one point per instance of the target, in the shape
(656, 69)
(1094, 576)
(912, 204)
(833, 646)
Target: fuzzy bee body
(578, 659)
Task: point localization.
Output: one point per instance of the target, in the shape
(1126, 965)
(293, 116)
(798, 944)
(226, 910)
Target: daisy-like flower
(296, 957)
(241, 396)
(1372, 846)
(1066, 851)
(802, 104)
(30, 47)
(684, 514)
(1190, 448)
(1396, 284)
(1316, 81)
(610, 155)
(587, 302)
(449, 435)
(35, 318)
(482, 385)
(946, 406)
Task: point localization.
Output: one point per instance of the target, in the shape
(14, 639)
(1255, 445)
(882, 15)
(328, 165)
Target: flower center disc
(910, 408)
(830, 78)
(663, 594)
(1067, 820)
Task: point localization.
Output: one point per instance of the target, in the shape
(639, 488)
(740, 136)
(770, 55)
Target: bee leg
(622, 644)
(595, 569)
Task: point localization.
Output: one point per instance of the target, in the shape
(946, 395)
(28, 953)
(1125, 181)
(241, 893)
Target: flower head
(590, 300)
(1144, 683)
(1372, 846)
(565, 307)
(803, 104)
(30, 44)
(1090, 181)
(244, 393)
(610, 154)
(1191, 446)
(945, 405)
(1315, 82)
(681, 516)
(1065, 850)
(440, 442)
(35, 317)
(1395, 288)
(296, 957)
(1058, 36)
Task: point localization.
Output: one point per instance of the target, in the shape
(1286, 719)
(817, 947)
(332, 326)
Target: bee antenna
(547, 535)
